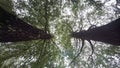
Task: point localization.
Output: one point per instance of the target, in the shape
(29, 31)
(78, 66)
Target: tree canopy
(59, 18)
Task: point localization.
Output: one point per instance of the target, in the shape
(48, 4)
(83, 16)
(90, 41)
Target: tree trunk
(13, 29)
(109, 33)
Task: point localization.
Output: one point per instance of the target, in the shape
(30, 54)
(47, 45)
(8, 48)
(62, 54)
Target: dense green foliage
(59, 18)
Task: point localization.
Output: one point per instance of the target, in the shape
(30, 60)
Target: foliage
(59, 17)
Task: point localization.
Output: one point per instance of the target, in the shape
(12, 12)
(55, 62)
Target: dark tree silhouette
(13, 29)
(109, 33)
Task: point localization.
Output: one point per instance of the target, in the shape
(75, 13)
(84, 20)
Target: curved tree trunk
(109, 33)
(13, 29)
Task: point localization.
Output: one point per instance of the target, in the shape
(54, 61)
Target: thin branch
(92, 26)
(46, 15)
(89, 21)
(78, 53)
(69, 26)
(91, 47)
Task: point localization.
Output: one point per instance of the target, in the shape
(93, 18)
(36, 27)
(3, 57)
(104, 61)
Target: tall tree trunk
(13, 29)
(109, 33)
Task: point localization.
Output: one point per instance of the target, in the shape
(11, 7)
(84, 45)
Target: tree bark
(13, 29)
(109, 33)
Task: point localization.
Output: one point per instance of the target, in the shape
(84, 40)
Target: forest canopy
(43, 30)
